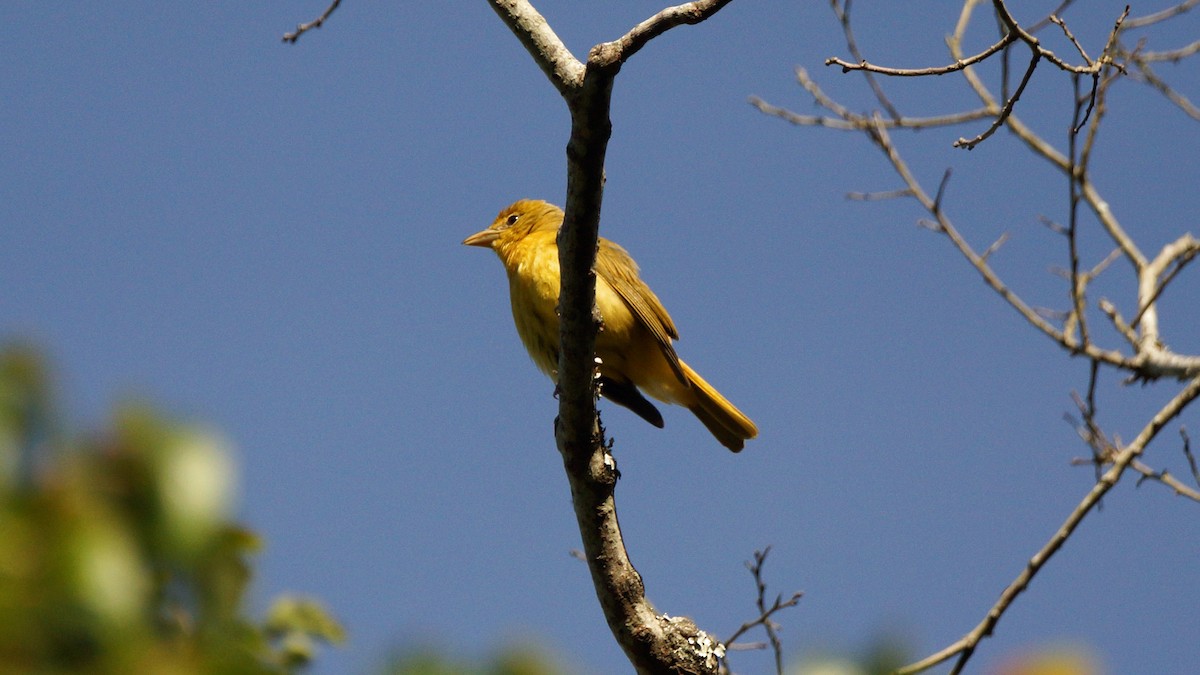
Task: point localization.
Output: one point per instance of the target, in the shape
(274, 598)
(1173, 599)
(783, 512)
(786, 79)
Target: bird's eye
(512, 220)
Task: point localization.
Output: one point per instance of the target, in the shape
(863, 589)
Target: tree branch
(621, 49)
(653, 643)
(1168, 13)
(959, 63)
(765, 611)
(548, 51)
(1149, 359)
(303, 28)
(965, 647)
(1166, 479)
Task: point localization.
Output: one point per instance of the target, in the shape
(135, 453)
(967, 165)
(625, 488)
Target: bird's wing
(627, 394)
(615, 266)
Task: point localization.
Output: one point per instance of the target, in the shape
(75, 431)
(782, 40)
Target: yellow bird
(634, 343)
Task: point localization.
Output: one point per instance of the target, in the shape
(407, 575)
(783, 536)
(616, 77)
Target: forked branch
(765, 611)
(654, 643)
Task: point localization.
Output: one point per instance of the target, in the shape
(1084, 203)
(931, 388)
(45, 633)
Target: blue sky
(264, 239)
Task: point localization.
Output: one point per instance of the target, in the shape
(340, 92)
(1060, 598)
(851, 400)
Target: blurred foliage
(887, 654)
(117, 552)
(882, 655)
(512, 661)
(1065, 660)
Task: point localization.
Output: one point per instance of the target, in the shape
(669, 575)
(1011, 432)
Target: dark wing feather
(627, 395)
(615, 266)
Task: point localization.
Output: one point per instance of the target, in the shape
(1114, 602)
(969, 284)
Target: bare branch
(1053, 226)
(1013, 32)
(1005, 110)
(1099, 206)
(1078, 283)
(1178, 261)
(959, 63)
(303, 28)
(1168, 13)
(1103, 212)
(882, 139)
(1099, 89)
(878, 196)
(1172, 55)
(1010, 23)
(622, 48)
(1103, 449)
(1150, 358)
(858, 122)
(1166, 479)
(765, 612)
(291, 37)
(851, 121)
(965, 647)
(1057, 12)
(1057, 21)
(820, 97)
(1146, 74)
(1119, 323)
(1187, 452)
(548, 51)
(842, 12)
(987, 253)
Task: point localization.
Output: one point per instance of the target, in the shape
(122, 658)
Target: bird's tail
(730, 426)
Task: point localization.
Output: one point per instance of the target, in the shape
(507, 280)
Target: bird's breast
(533, 284)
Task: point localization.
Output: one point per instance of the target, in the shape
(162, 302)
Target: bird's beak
(484, 238)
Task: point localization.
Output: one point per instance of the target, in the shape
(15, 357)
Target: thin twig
(1119, 323)
(1052, 225)
(1078, 284)
(859, 122)
(880, 135)
(1012, 32)
(1163, 15)
(1099, 206)
(842, 12)
(987, 252)
(1006, 109)
(1057, 21)
(765, 612)
(1172, 55)
(959, 63)
(1089, 430)
(303, 28)
(1057, 12)
(878, 196)
(1146, 74)
(1187, 452)
(1011, 24)
(941, 191)
(1166, 479)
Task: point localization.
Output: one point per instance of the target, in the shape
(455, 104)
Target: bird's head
(517, 221)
